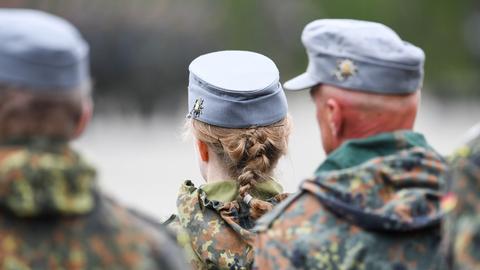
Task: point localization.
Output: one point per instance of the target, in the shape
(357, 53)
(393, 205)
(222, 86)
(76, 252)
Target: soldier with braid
(238, 118)
(52, 213)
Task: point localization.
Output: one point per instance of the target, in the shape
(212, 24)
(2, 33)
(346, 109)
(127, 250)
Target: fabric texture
(382, 212)
(216, 234)
(52, 216)
(461, 201)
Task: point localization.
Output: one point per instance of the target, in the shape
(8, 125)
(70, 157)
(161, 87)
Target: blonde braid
(249, 154)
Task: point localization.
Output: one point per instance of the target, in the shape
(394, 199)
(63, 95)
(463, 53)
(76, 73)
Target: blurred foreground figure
(52, 215)
(374, 202)
(462, 225)
(238, 117)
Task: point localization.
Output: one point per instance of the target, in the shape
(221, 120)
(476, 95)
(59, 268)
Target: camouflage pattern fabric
(52, 216)
(462, 201)
(216, 234)
(381, 214)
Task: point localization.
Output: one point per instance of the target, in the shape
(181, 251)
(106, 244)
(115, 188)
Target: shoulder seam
(267, 220)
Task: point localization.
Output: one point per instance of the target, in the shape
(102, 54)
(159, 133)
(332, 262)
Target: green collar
(227, 191)
(357, 151)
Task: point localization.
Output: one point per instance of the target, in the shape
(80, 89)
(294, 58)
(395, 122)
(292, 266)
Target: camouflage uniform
(374, 204)
(214, 228)
(462, 225)
(52, 216)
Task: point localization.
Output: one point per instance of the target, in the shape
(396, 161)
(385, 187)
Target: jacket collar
(357, 151)
(227, 191)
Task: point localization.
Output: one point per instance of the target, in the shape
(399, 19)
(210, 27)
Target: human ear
(334, 117)
(202, 150)
(85, 117)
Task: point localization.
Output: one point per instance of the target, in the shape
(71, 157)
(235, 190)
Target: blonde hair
(249, 154)
(25, 114)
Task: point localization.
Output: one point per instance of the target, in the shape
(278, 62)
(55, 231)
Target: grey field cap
(359, 55)
(41, 51)
(235, 89)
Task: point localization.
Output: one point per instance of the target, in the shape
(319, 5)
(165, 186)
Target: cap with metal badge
(235, 89)
(359, 55)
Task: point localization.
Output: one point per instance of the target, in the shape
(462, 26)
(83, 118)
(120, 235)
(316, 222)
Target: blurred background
(141, 50)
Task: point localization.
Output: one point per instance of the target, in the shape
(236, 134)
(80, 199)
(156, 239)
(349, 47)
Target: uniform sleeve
(463, 224)
(261, 260)
(169, 256)
(273, 250)
(165, 250)
(183, 239)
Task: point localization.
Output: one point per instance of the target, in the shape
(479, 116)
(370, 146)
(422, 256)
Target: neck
(360, 125)
(372, 132)
(363, 135)
(216, 173)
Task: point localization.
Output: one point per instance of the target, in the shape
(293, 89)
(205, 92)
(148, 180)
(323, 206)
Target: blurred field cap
(359, 55)
(235, 89)
(41, 51)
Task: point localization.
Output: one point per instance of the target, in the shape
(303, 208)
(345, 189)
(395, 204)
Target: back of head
(365, 78)
(366, 114)
(44, 76)
(239, 109)
(250, 154)
(25, 115)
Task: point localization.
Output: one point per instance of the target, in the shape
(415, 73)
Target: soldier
(373, 203)
(52, 214)
(238, 118)
(462, 225)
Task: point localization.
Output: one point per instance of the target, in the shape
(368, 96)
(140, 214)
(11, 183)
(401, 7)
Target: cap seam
(34, 83)
(276, 81)
(389, 64)
(361, 89)
(24, 60)
(215, 123)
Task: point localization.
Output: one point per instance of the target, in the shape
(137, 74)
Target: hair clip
(247, 198)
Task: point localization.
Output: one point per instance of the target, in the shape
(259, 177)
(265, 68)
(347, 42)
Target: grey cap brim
(301, 82)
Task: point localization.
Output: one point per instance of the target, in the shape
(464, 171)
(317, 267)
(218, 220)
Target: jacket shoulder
(211, 232)
(267, 220)
(146, 235)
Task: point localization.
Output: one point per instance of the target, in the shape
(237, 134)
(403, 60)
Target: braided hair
(249, 154)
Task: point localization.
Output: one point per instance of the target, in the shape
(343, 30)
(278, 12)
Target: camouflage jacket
(374, 204)
(52, 216)
(462, 201)
(214, 228)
